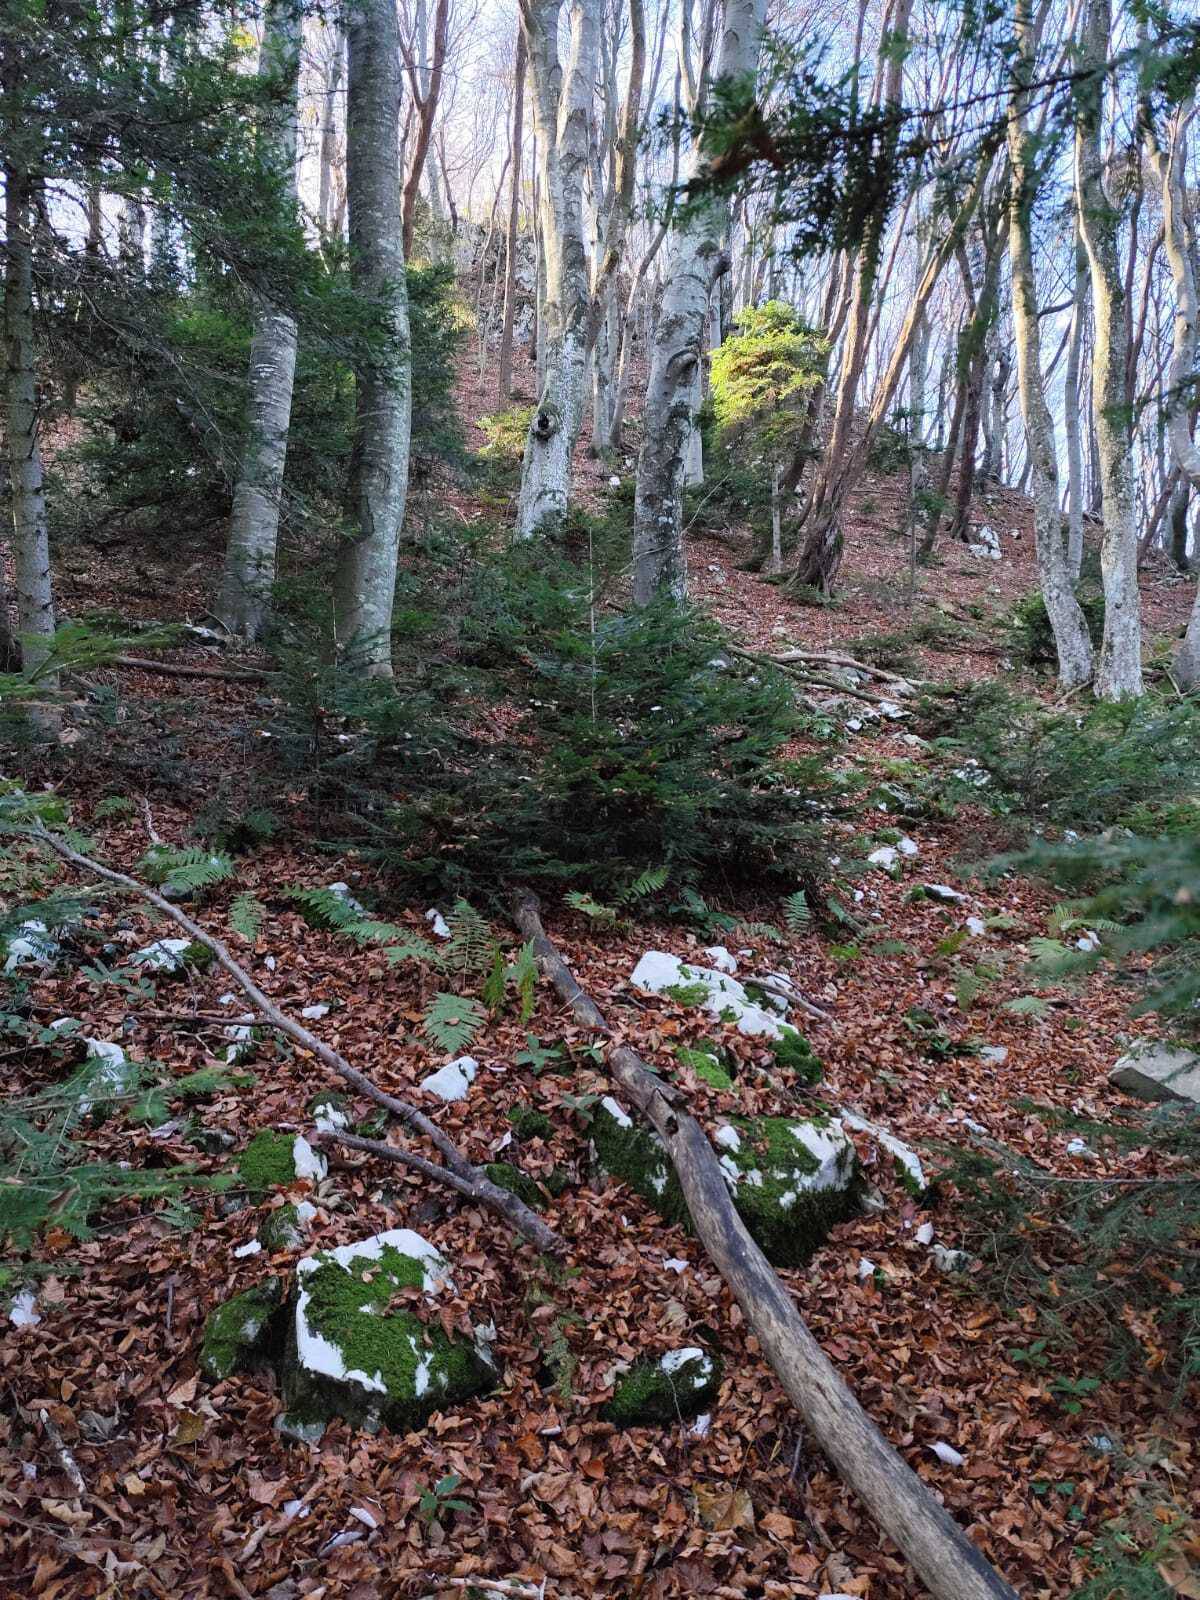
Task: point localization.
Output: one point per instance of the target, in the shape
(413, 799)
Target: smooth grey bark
(243, 602)
(1073, 412)
(328, 147)
(1071, 639)
(30, 528)
(504, 382)
(1119, 667)
(365, 582)
(1171, 169)
(697, 261)
(561, 116)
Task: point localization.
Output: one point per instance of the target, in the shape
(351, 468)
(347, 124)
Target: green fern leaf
(452, 1021)
(470, 949)
(796, 912)
(184, 871)
(1028, 1005)
(246, 916)
(648, 882)
(586, 906)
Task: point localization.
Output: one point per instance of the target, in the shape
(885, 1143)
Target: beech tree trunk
(243, 603)
(328, 147)
(366, 575)
(1072, 415)
(902, 1506)
(697, 261)
(1179, 238)
(30, 528)
(1071, 639)
(504, 381)
(561, 114)
(1119, 668)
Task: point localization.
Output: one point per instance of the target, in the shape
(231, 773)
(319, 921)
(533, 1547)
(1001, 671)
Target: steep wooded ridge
(600, 801)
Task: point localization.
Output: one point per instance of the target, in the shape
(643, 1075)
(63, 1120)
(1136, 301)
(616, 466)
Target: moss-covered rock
(331, 1111)
(284, 1228)
(239, 1335)
(679, 1385)
(360, 1348)
(793, 1052)
(274, 1160)
(505, 1176)
(705, 1062)
(792, 1178)
(528, 1123)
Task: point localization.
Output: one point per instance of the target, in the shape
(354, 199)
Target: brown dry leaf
(1181, 1577)
(190, 1427)
(723, 1509)
(184, 1393)
(133, 1485)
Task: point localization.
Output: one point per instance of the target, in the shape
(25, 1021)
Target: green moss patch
(239, 1335)
(793, 1052)
(706, 1064)
(505, 1176)
(359, 1347)
(271, 1161)
(676, 1387)
(792, 1178)
(529, 1124)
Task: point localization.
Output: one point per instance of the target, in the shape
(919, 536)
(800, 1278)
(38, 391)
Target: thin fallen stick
(175, 669)
(525, 1221)
(903, 1507)
(69, 1465)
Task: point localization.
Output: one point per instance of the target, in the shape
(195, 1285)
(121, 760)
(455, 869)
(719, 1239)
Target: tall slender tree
(243, 604)
(697, 261)
(1119, 668)
(365, 583)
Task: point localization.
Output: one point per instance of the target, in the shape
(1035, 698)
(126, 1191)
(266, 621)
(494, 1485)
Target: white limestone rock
(1154, 1070)
(657, 972)
(453, 1081)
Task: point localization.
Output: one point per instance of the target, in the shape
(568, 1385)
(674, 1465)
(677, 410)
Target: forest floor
(190, 1492)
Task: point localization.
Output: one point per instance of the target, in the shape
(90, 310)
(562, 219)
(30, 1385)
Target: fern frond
(586, 906)
(341, 913)
(452, 1021)
(246, 917)
(184, 871)
(1028, 1005)
(797, 913)
(648, 882)
(470, 949)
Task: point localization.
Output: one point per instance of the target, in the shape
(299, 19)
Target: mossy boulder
(331, 1112)
(792, 1178)
(705, 1062)
(529, 1123)
(284, 1228)
(505, 1176)
(239, 1335)
(275, 1160)
(676, 1387)
(360, 1347)
(793, 1052)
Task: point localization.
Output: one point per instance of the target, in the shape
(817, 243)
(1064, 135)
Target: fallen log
(458, 1174)
(176, 669)
(902, 1505)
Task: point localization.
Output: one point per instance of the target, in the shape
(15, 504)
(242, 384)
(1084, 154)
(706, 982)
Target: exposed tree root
(902, 1506)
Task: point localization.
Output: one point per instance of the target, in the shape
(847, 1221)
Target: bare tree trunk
(243, 602)
(504, 381)
(425, 85)
(30, 528)
(1119, 669)
(1171, 169)
(1071, 639)
(328, 148)
(561, 113)
(366, 575)
(697, 262)
(1072, 415)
